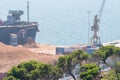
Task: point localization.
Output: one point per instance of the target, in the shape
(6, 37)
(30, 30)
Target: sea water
(66, 22)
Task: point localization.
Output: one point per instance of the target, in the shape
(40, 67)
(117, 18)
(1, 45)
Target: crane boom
(101, 10)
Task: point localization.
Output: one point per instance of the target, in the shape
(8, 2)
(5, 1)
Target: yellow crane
(95, 39)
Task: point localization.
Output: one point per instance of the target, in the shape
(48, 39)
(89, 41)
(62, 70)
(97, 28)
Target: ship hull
(23, 33)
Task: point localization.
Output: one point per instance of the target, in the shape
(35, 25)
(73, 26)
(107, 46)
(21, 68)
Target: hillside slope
(11, 56)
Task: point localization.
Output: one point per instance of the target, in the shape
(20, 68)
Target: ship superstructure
(14, 31)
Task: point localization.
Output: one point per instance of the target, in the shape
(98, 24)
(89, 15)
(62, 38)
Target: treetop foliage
(33, 70)
(89, 71)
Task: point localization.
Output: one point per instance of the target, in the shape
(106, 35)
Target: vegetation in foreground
(89, 70)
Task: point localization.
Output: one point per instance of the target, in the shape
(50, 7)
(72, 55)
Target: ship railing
(21, 24)
(28, 23)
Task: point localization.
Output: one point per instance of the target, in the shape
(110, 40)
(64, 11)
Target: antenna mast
(88, 26)
(28, 11)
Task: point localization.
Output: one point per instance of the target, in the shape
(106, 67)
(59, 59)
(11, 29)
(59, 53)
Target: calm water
(65, 22)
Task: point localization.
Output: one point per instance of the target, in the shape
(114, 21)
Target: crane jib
(101, 10)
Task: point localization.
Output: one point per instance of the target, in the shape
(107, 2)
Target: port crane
(95, 39)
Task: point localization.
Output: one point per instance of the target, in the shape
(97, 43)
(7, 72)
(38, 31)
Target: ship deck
(21, 24)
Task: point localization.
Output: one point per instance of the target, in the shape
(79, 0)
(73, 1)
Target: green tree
(89, 72)
(10, 78)
(110, 75)
(106, 51)
(44, 70)
(114, 63)
(56, 73)
(33, 70)
(34, 74)
(110, 55)
(68, 62)
(29, 66)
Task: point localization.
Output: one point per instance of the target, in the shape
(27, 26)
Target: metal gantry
(95, 28)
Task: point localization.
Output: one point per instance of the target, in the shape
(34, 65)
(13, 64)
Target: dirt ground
(11, 56)
(44, 48)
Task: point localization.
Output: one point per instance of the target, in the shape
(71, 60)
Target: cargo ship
(13, 31)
